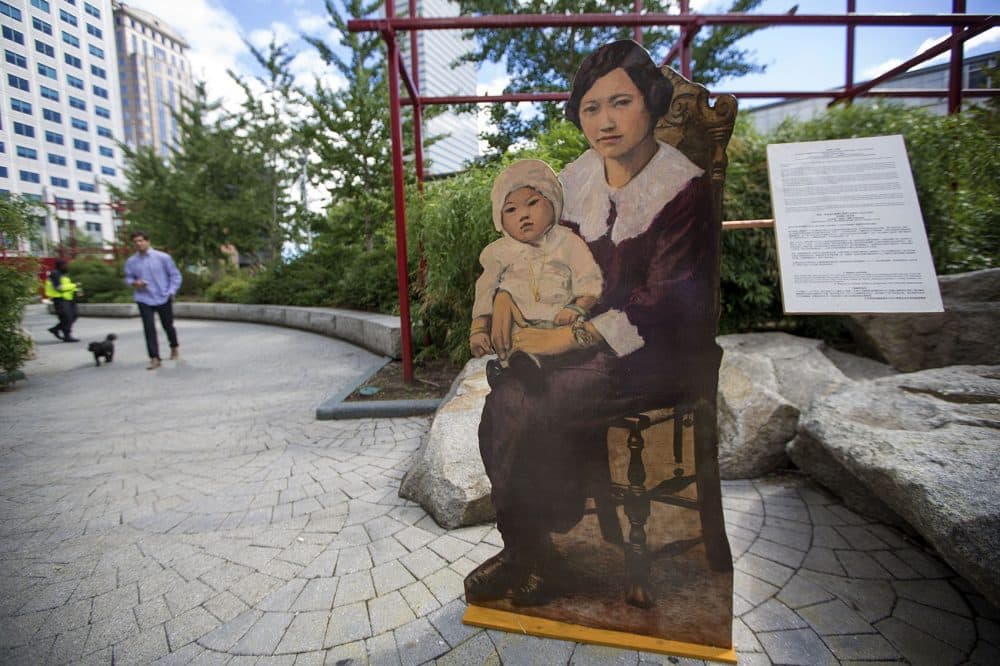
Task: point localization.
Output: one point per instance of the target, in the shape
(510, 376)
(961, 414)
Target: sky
(799, 58)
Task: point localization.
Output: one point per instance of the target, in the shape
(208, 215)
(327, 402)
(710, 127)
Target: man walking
(155, 281)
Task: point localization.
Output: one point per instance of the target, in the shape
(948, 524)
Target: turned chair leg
(637, 512)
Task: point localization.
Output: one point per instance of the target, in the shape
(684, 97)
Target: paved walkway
(200, 514)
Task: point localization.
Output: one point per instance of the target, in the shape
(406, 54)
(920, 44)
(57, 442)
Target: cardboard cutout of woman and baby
(600, 301)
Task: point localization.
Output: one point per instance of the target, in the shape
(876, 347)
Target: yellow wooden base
(491, 618)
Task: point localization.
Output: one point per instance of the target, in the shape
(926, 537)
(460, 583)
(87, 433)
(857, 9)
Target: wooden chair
(702, 133)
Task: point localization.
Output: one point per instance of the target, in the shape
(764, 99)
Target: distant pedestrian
(155, 280)
(61, 290)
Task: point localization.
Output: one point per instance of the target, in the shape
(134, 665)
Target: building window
(67, 17)
(99, 72)
(70, 39)
(18, 82)
(59, 182)
(101, 112)
(104, 131)
(77, 103)
(41, 25)
(57, 159)
(27, 153)
(91, 207)
(49, 93)
(44, 48)
(83, 165)
(72, 61)
(80, 144)
(54, 137)
(41, 4)
(11, 11)
(105, 151)
(62, 203)
(45, 70)
(92, 10)
(30, 177)
(95, 31)
(24, 130)
(13, 35)
(20, 105)
(16, 59)
(107, 171)
(74, 81)
(101, 92)
(94, 227)
(79, 124)
(54, 116)
(96, 51)
(87, 187)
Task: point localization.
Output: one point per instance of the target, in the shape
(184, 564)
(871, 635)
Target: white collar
(588, 197)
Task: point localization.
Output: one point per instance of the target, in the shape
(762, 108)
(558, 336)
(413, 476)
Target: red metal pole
(955, 66)
(684, 50)
(637, 30)
(418, 111)
(849, 59)
(399, 197)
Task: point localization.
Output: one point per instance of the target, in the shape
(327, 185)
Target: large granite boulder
(923, 448)
(765, 380)
(447, 477)
(965, 333)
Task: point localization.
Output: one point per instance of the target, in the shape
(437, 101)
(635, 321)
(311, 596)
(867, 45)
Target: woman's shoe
(491, 580)
(154, 363)
(533, 591)
(56, 331)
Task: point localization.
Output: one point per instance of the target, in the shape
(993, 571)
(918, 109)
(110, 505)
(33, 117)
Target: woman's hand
(505, 315)
(545, 341)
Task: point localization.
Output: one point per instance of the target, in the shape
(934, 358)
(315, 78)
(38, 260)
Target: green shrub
(18, 283)
(102, 282)
(230, 289)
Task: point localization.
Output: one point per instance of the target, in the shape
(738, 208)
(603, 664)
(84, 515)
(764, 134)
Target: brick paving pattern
(199, 514)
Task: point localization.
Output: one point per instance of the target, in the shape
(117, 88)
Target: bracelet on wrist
(581, 335)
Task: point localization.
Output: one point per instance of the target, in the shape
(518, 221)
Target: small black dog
(105, 348)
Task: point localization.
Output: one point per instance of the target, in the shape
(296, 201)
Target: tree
(268, 120)
(214, 189)
(17, 277)
(545, 60)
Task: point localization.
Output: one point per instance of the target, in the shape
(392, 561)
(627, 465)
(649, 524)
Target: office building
(437, 50)
(155, 76)
(61, 115)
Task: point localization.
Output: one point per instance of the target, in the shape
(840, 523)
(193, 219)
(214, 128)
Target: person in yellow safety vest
(62, 290)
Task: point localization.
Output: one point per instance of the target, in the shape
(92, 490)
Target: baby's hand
(565, 317)
(480, 344)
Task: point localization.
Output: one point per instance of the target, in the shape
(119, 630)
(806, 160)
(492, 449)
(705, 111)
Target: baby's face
(526, 215)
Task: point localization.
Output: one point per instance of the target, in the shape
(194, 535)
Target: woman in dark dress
(644, 210)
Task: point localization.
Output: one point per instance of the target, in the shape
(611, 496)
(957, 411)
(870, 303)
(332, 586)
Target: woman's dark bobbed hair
(637, 63)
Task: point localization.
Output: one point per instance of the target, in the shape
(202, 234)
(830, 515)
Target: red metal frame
(963, 26)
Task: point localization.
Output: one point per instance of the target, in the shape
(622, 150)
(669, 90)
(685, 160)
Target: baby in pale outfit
(548, 270)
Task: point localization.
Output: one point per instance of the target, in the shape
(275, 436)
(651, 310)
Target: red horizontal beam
(794, 94)
(511, 21)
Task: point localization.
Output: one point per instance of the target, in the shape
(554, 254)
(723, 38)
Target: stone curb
(335, 408)
(378, 333)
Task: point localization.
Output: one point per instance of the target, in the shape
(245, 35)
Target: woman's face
(526, 215)
(614, 117)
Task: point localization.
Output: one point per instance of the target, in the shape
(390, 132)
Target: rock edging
(375, 332)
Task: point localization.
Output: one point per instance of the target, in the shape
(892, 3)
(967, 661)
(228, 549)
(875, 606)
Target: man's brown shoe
(154, 363)
(175, 354)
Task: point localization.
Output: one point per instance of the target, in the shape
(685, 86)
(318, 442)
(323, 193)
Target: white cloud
(977, 43)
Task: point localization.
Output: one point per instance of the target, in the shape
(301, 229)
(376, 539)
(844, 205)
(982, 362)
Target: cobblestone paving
(199, 514)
